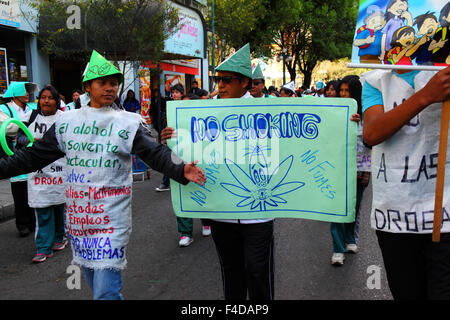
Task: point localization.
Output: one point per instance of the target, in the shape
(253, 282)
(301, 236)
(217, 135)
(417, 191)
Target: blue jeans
(105, 283)
(166, 181)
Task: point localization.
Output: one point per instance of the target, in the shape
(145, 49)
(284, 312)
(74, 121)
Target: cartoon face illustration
(398, 8)
(406, 39)
(376, 22)
(428, 27)
(447, 18)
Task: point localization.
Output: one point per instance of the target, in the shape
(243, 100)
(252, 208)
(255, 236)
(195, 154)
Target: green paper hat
(257, 73)
(240, 62)
(99, 67)
(19, 89)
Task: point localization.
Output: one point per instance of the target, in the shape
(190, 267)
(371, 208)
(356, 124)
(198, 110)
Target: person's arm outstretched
(26, 160)
(160, 158)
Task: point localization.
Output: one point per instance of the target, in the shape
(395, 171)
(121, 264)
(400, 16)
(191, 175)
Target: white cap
(289, 86)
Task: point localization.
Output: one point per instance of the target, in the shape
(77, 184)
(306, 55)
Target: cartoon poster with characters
(411, 34)
(267, 158)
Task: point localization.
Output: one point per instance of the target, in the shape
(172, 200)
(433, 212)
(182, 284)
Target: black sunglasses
(257, 83)
(225, 79)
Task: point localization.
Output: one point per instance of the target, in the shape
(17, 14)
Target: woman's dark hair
(276, 93)
(389, 15)
(355, 89)
(335, 84)
(55, 96)
(127, 98)
(202, 93)
(179, 87)
(77, 90)
(289, 92)
(191, 96)
(272, 88)
(399, 33)
(444, 14)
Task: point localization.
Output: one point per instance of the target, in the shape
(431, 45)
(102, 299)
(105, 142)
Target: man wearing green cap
(257, 90)
(18, 96)
(234, 75)
(245, 246)
(97, 141)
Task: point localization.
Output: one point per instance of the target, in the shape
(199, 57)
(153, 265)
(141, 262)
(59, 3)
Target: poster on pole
(402, 34)
(145, 94)
(267, 158)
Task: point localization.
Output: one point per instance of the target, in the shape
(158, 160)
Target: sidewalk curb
(6, 212)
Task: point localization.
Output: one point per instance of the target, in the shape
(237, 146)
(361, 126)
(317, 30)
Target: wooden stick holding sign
(440, 179)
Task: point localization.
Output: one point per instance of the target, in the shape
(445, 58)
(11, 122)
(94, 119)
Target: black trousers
(25, 217)
(246, 258)
(416, 267)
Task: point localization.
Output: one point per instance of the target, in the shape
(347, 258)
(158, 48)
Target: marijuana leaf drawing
(258, 188)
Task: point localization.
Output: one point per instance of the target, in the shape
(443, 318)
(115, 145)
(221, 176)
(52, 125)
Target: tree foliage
(310, 30)
(132, 30)
(238, 22)
(315, 30)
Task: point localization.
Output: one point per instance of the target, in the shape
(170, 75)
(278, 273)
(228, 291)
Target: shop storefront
(184, 62)
(20, 59)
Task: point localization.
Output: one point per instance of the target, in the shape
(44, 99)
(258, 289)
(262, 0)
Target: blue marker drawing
(258, 188)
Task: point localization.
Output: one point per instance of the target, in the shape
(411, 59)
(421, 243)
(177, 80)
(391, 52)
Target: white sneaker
(162, 187)
(352, 248)
(337, 259)
(206, 231)
(185, 241)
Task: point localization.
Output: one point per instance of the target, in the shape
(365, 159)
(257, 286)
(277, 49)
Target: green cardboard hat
(19, 89)
(257, 73)
(240, 62)
(99, 67)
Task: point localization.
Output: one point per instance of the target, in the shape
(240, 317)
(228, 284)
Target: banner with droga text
(267, 158)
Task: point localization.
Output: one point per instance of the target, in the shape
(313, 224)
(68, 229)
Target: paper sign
(267, 158)
(402, 34)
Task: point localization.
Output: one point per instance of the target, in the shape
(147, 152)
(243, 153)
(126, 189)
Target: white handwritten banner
(286, 157)
(98, 187)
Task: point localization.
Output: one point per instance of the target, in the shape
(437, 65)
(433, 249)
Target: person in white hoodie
(46, 189)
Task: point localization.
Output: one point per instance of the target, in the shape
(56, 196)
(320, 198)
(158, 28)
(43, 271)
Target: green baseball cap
(257, 73)
(19, 89)
(240, 62)
(99, 67)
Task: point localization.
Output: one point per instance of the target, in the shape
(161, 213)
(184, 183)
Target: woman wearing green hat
(97, 141)
(17, 97)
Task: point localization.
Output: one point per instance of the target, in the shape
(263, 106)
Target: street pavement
(160, 270)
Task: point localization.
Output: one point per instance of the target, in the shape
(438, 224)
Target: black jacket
(45, 151)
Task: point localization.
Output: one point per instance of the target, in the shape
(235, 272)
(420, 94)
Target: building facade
(20, 59)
